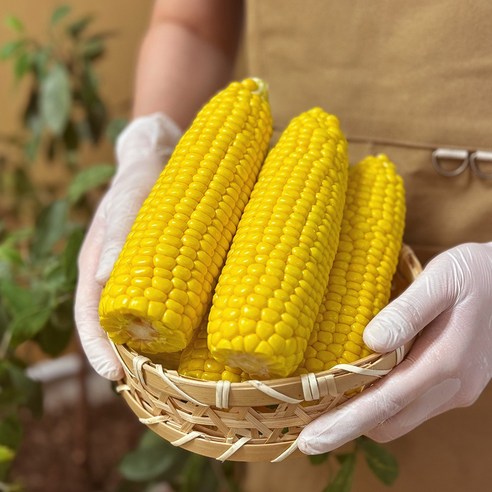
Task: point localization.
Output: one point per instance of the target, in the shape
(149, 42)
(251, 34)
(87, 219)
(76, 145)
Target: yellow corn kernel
(285, 242)
(184, 229)
(373, 187)
(197, 362)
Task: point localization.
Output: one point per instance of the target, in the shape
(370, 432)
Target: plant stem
(4, 346)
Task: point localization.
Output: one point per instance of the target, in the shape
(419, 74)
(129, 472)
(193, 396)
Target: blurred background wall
(127, 18)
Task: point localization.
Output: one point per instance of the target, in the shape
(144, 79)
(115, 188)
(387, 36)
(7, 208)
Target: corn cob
(197, 361)
(271, 287)
(359, 284)
(163, 281)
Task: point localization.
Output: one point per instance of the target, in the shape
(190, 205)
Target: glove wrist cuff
(150, 137)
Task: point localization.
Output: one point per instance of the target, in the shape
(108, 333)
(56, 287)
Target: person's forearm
(178, 70)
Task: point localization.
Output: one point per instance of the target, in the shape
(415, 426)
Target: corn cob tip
(140, 329)
(261, 87)
(141, 335)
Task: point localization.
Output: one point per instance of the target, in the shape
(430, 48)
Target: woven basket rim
(254, 392)
(192, 413)
(338, 370)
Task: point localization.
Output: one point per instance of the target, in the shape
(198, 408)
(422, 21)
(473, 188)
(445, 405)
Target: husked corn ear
(197, 361)
(271, 286)
(359, 284)
(162, 283)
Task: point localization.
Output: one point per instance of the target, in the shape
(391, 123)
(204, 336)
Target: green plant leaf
(230, 469)
(23, 183)
(90, 83)
(22, 65)
(56, 99)
(54, 337)
(59, 13)
(10, 437)
(9, 254)
(115, 127)
(32, 146)
(88, 179)
(10, 432)
(209, 481)
(30, 115)
(4, 318)
(52, 275)
(318, 459)
(75, 29)
(192, 473)
(51, 148)
(14, 23)
(96, 119)
(10, 49)
(6, 454)
(50, 227)
(95, 110)
(93, 48)
(27, 308)
(150, 440)
(16, 299)
(71, 137)
(380, 461)
(58, 331)
(343, 479)
(32, 120)
(18, 389)
(70, 255)
(149, 460)
(40, 60)
(144, 465)
(27, 325)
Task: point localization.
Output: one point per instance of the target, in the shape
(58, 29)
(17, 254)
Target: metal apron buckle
(450, 154)
(476, 158)
(473, 159)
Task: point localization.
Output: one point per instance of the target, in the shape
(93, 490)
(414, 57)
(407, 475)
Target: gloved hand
(448, 366)
(142, 150)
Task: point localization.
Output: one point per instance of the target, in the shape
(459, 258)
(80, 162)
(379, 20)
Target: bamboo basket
(252, 420)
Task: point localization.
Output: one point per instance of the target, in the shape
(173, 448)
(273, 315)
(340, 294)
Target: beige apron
(410, 79)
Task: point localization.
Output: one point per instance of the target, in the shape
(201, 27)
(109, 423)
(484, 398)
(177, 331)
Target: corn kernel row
(164, 277)
(359, 284)
(197, 362)
(270, 289)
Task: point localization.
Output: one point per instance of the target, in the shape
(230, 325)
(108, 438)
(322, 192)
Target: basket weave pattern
(252, 420)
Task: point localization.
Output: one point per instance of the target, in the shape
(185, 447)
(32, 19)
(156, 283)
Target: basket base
(209, 447)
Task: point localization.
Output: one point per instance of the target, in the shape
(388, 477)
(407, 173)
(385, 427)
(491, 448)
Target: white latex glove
(448, 366)
(142, 150)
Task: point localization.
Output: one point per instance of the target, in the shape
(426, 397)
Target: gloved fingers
(434, 401)
(417, 374)
(423, 301)
(120, 211)
(108, 258)
(98, 349)
(150, 136)
(93, 339)
(448, 366)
